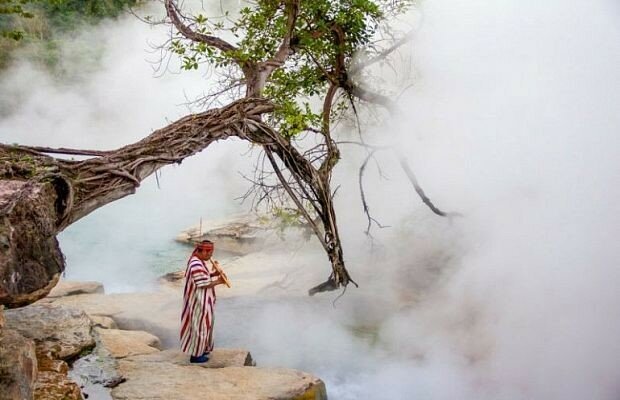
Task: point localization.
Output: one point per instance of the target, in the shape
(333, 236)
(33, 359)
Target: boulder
(18, 366)
(71, 288)
(163, 381)
(50, 325)
(121, 343)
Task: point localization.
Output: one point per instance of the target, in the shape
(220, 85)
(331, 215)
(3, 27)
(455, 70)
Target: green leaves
(326, 35)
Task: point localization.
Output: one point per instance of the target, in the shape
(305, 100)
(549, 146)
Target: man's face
(205, 254)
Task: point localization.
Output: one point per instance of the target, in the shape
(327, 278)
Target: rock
(103, 322)
(1, 317)
(121, 343)
(71, 288)
(173, 277)
(220, 358)
(156, 312)
(47, 359)
(56, 386)
(161, 380)
(49, 325)
(240, 234)
(18, 366)
(30, 258)
(96, 372)
(96, 369)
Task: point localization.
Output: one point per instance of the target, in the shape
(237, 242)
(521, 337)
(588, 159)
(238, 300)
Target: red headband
(204, 246)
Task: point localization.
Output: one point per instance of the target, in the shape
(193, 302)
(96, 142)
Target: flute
(216, 266)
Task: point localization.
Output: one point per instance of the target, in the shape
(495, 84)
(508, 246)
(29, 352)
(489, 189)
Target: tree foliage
(38, 22)
(326, 38)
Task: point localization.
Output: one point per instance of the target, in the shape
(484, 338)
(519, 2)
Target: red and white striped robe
(198, 303)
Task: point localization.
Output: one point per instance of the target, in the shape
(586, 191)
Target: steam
(512, 121)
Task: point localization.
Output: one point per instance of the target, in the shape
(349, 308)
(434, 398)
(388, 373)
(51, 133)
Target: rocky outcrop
(130, 364)
(18, 366)
(30, 258)
(50, 325)
(240, 234)
(59, 334)
(164, 380)
(70, 288)
(246, 233)
(52, 381)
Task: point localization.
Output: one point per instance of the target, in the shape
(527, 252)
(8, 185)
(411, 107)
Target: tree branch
(189, 33)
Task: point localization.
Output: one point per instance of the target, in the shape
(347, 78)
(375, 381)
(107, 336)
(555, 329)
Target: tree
(13, 8)
(291, 70)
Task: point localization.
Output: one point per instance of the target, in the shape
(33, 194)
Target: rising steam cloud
(513, 121)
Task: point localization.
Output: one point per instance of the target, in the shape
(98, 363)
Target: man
(198, 304)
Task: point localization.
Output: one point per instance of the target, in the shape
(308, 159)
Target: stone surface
(103, 321)
(219, 358)
(51, 325)
(47, 359)
(96, 369)
(56, 386)
(239, 234)
(96, 373)
(18, 366)
(157, 312)
(30, 258)
(121, 343)
(161, 380)
(71, 288)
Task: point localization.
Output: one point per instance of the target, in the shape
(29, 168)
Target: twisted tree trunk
(41, 195)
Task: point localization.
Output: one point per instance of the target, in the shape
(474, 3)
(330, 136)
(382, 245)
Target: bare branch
(360, 179)
(293, 197)
(213, 41)
(412, 178)
(382, 55)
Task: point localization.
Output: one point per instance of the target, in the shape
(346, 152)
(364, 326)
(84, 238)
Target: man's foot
(200, 359)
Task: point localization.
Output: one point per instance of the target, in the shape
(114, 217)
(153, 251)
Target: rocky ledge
(65, 347)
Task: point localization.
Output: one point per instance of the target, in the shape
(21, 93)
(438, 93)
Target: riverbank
(81, 341)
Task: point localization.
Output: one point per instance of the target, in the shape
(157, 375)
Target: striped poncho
(197, 316)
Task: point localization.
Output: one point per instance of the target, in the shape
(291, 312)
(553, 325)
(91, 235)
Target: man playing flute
(198, 304)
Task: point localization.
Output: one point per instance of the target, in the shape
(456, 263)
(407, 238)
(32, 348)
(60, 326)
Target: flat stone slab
(71, 288)
(164, 381)
(120, 343)
(219, 358)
